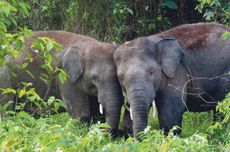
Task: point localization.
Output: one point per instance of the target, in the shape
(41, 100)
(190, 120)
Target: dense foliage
(215, 10)
(61, 133)
(112, 20)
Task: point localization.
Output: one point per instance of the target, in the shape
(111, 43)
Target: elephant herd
(182, 69)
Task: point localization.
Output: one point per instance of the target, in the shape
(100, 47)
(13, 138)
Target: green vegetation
(61, 133)
(215, 10)
(112, 20)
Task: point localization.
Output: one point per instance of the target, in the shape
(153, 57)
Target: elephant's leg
(219, 94)
(94, 109)
(5, 82)
(127, 123)
(170, 111)
(169, 117)
(76, 100)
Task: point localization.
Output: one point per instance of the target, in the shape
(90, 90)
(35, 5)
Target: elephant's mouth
(93, 90)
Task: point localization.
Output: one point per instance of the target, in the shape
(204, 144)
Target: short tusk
(154, 108)
(131, 113)
(101, 109)
(36, 51)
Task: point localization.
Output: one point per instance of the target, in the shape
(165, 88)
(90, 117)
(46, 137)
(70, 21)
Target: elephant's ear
(169, 54)
(72, 64)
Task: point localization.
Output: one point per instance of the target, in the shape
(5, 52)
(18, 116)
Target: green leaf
(24, 65)
(147, 8)
(6, 10)
(3, 27)
(32, 98)
(49, 46)
(19, 42)
(30, 74)
(208, 15)
(57, 46)
(24, 7)
(37, 46)
(44, 78)
(15, 53)
(207, 1)
(20, 106)
(7, 90)
(47, 67)
(170, 4)
(57, 104)
(22, 93)
(10, 112)
(38, 105)
(225, 35)
(27, 84)
(51, 100)
(48, 58)
(9, 103)
(62, 76)
(129, 10)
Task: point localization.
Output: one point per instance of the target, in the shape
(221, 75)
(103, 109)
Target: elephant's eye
(94, 78)
(151, 71)
(120, 76)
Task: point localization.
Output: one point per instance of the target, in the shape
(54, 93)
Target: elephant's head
(91, 66)
(142, 66)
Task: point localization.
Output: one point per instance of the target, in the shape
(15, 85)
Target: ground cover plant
(61, 133)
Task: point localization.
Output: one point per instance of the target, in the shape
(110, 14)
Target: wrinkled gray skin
(92, 76)
(183, 69)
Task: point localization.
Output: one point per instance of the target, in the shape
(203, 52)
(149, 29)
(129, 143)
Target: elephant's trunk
(113, 111)
(112, 100)
(140, 98)
(139, 111)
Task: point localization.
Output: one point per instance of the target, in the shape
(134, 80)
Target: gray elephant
(182, 69)
(92, 76)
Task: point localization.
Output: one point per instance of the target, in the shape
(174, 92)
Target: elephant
(92, 78)
(182, 69)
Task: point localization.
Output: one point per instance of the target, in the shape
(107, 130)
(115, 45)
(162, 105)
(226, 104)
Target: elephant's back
(66, 39)
(196, 36)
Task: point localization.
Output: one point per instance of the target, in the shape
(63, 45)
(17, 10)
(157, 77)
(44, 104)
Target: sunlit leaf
(6, 10)
(225, 35)
(7, 105)
(49, 46)
(62, 76)
(21, 93)
(30, 74)
(129, 10)
(8, 90)
(51, 100)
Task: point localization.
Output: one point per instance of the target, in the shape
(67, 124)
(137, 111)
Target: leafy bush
(220, 130)
(11, 35)
(111, 20)
(11, 44)
(61, 133)
(24, 133)
(215, 10)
